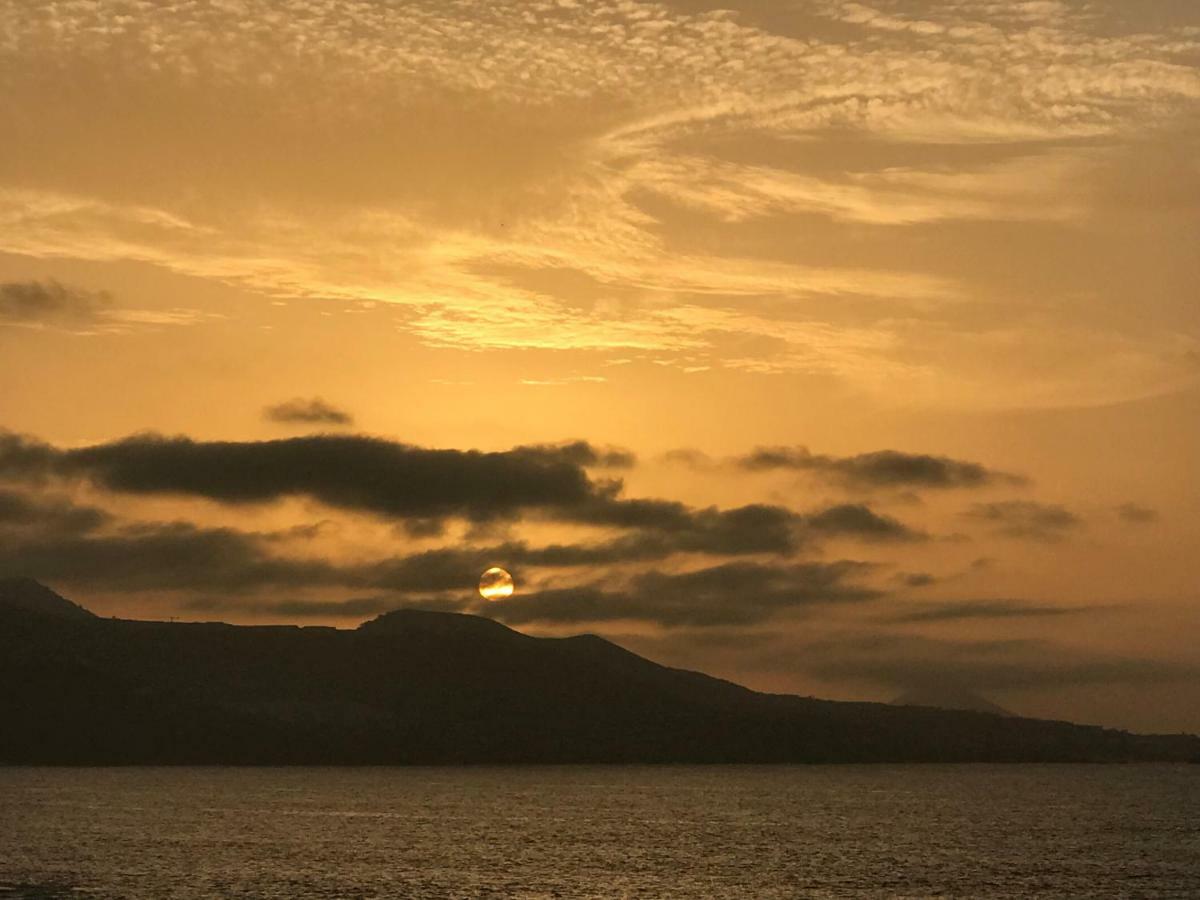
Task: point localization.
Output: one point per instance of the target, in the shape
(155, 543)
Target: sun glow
(495, 584)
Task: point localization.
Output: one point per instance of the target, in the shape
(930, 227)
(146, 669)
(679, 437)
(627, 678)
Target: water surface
(912, 831)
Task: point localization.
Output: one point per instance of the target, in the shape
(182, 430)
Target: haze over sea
(837, 831)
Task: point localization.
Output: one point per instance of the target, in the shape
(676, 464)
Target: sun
(495, 584)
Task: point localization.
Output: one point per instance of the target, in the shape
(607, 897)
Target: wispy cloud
(447, 141)
(1027, 519)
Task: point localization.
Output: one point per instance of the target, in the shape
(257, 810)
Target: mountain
(950, 697)
(438, 688)
(32, 596)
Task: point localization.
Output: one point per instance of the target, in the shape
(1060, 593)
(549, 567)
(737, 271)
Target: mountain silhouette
(441, 688)
(33, 596)
(950, 697)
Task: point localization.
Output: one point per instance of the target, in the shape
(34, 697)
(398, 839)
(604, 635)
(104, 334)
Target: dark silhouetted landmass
(420, 687)
(32, 596)
(950, 697)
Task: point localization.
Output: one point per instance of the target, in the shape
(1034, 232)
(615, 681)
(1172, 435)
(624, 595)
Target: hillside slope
(420, 687)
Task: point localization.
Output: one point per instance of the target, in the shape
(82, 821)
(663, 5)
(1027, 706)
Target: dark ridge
(33, 596)
(951, 698)
(417, 622)
(439, 688)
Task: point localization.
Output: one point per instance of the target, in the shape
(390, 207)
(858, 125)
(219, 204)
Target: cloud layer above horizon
(667, 570)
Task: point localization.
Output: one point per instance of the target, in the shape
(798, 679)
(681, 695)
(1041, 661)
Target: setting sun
(495, 584)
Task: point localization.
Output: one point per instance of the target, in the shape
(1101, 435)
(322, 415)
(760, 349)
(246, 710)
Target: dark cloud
(443, 569)
(365, 474)
(1135, 514)
(861, 522)
(423, 487)
(915, 579)
(420, 488)
(26, 513)
(424, 528)
(172, 556)
(24, 458)
(49, 301)
(737, 593)
(607, 509)
(182, 556)
(52, 539)
(307, 412)
(584, 454)
(881, 469)
(755, 528)
(748, 529)
(984, 609)
(1026, 519)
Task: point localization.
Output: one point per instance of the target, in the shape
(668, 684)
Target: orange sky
(940, 257)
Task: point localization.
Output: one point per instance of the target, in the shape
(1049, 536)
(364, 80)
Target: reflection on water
(978, 831)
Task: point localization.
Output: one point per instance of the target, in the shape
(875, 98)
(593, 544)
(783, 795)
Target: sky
(841, 349)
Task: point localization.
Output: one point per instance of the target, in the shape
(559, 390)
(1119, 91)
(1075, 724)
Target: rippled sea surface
(916, 831)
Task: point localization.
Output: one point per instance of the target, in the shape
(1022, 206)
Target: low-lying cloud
(965, 610)
(880, 469)
(737, 593)
(307, 412)
(1026, 519)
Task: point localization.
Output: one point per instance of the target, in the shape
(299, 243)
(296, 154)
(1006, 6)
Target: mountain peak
(32, 596)
(429, 623)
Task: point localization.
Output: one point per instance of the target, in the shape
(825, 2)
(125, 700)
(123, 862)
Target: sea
(982, 831)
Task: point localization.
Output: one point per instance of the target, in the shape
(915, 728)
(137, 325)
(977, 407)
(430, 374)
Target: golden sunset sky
(834, 348)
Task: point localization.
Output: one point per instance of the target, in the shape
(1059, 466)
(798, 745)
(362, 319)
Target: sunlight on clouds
(355, 150)
(1023, 188)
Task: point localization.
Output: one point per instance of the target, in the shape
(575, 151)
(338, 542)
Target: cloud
(25, 513)
(1022, 188)
(880, 469)
(1136, 514)
(1026, 519)
(422, 487)
(755, 528)
(59, 543)
(984, 609)
(589, 455)
(160, 556)
(43, 302)
(372, 475)
(731, 594)
(860, 521)
(915, 579)
(185, 557)
(583, 116)
(75, 310)
(690, 457)
(307, 412)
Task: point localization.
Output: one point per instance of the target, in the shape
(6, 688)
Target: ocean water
(655, 832)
